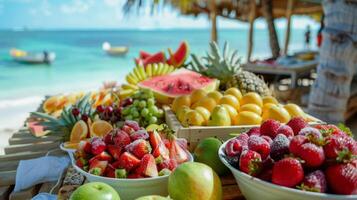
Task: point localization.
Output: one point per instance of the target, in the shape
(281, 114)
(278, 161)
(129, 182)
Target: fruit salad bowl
(129, 188)
(255, 188)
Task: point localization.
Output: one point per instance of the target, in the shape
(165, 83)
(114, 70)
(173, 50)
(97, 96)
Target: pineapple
(64, 124)
(226, 67)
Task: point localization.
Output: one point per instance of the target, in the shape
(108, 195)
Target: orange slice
(50, 104)
(100, 128)
(71, 145)
(79, 132)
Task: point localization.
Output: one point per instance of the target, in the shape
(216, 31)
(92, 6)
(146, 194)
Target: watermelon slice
(155, 58)
(143, 54)
(179, 57)
(181, 82)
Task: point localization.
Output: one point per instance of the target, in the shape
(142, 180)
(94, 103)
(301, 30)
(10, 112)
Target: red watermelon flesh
(155, 58)
(179, 57)
(143, 55)
(180, 82)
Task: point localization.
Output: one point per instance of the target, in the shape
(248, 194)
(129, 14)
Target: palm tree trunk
(267, 9)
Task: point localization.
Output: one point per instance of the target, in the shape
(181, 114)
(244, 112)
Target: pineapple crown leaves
(216, 63)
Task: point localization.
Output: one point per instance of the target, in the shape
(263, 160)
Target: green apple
(153, 197)
(95, 190)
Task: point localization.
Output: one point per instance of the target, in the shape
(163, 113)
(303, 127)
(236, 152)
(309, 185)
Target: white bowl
(256, 189)
(129, 189)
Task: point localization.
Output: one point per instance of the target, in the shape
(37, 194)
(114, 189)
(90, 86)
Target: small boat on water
(32, 57)
(115, 51)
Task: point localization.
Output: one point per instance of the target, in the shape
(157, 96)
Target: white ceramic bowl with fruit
(132, 160)
(255, 188)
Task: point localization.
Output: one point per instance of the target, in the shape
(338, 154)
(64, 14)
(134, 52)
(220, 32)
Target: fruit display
(141, 73)
(131, 152)
(180, 82)
(203, 108)
(176, 59)
(195, 181)
(95, 190)
(225, 66)
(317, 159)
(143, 109)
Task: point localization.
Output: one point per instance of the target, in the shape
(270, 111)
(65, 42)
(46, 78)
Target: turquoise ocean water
(82, 65)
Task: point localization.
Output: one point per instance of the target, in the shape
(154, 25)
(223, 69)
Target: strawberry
(342, 178)
(336, 144)
(279, 147)
(85, 146)
(98, 146)
(268, 139)
(285, 130)
(115, 151)
(139, 148)
(243, 139)
(270, 128)
(259, 145)
(296, 124)
(314, 182)
(81, 162)
(170, 164)
(121, 138)
(161, 150)
(250, 162)
(329, 129)
(140, 134)
(147, 166)
(127, 129)
(97, 167)
(313, 134)
(108, 138)
(127, 161)
(110, 171)
(296, 142)
(155, 139)
(135, 176)
(166, 142)
(104, 156)
(312, 154)
(287, 172)
(233, 148)
(132, 124)
(182, 142)
(177, 152)
(254, 131)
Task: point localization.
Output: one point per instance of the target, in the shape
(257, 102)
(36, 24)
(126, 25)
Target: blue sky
(98, 14)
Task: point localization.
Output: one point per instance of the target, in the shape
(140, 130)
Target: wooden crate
(194, 134)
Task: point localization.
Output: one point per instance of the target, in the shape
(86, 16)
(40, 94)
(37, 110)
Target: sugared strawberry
(177, 152)
(243, 139)
(98, 146)
(286, 130)
(140, 134)
(267, 138)
(139, 148)
(182, 142)
(97, 167)
(254, 131)
(270, 128)
(104, 156)
(342, 178)
(162, 151)
(121, 138)
(330, 129)
(132, 124)
(296, 142)
(233, 148)
(85, 146)
(81, 162)
(147, 166)
(250, 162)
(127, 161)
(167, 143)
(336, 145)
(312, 154)
(313, 134)
(108, 138)
(115, 151)
(297, 123)
(314, 182)
(155, 139)
(259, 145)
(127, 129)
(280, 147)
(170, 164)
(287, 172)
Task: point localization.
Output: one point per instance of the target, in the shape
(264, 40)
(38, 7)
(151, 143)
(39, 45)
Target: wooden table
(23, 145)
(295, 71)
